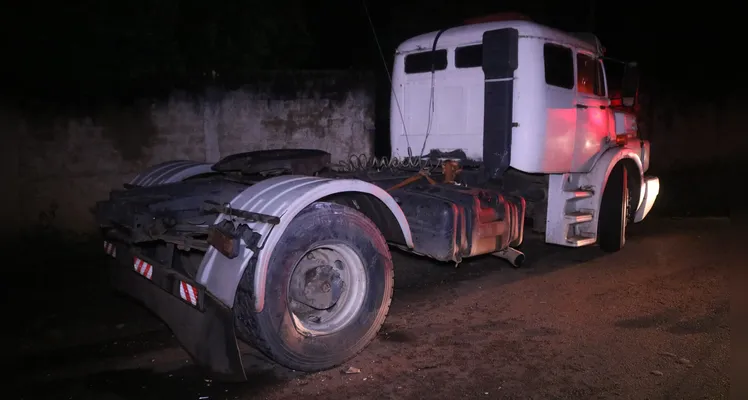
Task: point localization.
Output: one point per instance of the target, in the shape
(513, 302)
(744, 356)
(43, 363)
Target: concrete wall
(56, 166)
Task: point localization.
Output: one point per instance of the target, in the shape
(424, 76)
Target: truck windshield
(614, 71)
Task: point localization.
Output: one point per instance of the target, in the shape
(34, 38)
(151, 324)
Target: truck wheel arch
(608, 161)
(170, 172)
(376, 210)
(285, 197)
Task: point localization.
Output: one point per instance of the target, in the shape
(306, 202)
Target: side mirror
(630, 85)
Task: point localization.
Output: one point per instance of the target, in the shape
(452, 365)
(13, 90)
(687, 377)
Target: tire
(615, 211)
(312, 343)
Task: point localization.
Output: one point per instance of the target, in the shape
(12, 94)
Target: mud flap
(207, 335)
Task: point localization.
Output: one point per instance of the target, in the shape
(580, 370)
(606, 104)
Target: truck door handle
(581, 106)
(602, 107)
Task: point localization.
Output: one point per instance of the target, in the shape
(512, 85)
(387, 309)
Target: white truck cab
(552, 104)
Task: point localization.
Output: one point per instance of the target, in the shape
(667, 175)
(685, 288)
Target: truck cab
(561, 114)
(527, 101)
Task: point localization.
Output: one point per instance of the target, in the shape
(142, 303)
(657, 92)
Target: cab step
(578, 217)
(579, 194)
(580, 241)
(571, 211)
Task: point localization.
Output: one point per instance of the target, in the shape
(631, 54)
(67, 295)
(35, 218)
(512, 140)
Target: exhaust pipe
(512, 255)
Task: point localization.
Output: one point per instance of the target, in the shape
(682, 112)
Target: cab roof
(473, 34)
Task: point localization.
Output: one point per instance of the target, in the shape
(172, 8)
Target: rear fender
(283, 197)
(170, 172)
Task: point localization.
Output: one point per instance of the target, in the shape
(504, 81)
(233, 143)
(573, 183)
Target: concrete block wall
(56, 167)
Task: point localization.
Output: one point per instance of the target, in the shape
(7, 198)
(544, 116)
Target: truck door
(592, 112)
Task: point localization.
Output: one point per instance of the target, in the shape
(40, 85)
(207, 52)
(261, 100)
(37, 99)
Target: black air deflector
(499, 63)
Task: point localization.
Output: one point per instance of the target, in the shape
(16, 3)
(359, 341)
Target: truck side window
(469, 56)
(589, 76)
(559, 66)
(422, 62)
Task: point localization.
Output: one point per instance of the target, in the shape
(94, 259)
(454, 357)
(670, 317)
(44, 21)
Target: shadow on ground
(184, 383)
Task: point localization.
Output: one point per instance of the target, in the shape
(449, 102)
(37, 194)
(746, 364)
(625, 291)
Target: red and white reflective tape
(188, 292)
(143, 268)
(110, 249)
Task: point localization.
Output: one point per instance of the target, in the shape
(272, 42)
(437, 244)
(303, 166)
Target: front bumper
(203, 325)
(650, 190)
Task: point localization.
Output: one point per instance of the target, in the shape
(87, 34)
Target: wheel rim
(626, 207)
(327, 289)
(626, 203)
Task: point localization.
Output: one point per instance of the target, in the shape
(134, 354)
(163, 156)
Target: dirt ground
(649, 322)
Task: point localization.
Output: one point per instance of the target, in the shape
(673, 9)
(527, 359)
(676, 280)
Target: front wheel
(328, 291)
(615, 210)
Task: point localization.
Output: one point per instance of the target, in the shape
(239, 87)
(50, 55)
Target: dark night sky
(87, 49)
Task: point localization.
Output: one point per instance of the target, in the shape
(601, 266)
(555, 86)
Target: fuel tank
(450, 222)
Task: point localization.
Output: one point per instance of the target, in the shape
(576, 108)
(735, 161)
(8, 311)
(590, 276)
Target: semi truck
(497, 127)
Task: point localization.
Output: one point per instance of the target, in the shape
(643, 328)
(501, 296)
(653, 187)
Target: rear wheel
(329, 286)
(615, 210)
